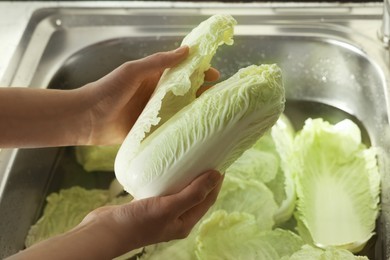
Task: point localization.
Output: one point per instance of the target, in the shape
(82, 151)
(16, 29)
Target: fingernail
(181, 49)
(214, 178)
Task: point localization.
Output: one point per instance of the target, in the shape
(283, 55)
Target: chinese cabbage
(210, 133)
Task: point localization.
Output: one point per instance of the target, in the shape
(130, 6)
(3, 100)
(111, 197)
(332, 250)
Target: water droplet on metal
(58, 22)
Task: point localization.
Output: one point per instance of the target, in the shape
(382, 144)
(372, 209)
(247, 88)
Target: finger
(161, 60)
(211, 74)
(193, 215)
(194, 193)
(202, 89)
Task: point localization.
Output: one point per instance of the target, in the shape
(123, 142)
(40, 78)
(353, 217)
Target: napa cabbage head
(209, 133)
(338, 185)
(178, 86)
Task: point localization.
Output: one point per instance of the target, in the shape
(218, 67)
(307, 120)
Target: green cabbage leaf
(268, 162)
(74, 203)
(182, 249)
(97, 158)
(313, 253)
(248, 196)
(66, 209)
(237, 235)
(338, 185)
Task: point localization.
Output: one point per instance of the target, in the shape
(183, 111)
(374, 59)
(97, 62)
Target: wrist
(79, 123)
(104, 235)
(88, 241)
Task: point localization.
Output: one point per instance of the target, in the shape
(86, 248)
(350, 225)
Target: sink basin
(333, 65)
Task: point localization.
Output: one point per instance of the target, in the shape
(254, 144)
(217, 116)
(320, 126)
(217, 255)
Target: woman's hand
(159, 219)
(111, 231)
(119, 98)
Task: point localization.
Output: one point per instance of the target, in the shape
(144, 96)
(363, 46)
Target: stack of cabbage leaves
(313, 194)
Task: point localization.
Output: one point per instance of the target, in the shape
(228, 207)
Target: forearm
(90, 241)
(41, 117)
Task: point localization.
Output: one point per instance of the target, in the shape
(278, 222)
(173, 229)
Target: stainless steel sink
(333, 63)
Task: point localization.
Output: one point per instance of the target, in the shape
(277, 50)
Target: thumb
(162, 60)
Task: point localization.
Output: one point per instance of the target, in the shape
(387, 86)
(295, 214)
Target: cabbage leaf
(249, 196)
(66, 209)
(313, 253)
(268, 161)
(337, 186)
(97, 158)
(237, 235)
